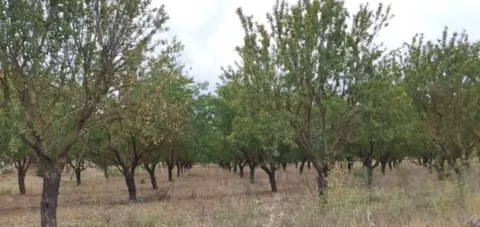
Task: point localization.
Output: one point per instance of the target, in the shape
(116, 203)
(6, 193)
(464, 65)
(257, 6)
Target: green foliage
(301, 77)
(211, 124)
(60, 58)
(442, 79)
(152, 113)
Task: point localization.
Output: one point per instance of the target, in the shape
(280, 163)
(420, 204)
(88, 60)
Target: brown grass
(209, 196)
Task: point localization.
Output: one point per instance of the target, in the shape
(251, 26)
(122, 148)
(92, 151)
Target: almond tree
(14, 152)
(259, 132)
(387, 124)
(151, 111)
(60, 59)
(443, 81)
(309, 59)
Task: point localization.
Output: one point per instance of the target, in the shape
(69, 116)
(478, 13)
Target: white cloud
(210, 29)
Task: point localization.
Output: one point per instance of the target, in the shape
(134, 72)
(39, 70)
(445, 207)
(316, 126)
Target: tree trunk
(369, 175)
(272, 180)
(153, 180)
(252, 173)
(284, 166)
(48, 205)
(22, 168)
(322, 170)
(302, 166)
(349, 165)
(383, 165)
(240, 167)
(21, 180)
(178, 170)
(170, 172)
(78, 176)
(322, 185)
(105, 172)
(132, 189)
(271, 177)
(151, 172)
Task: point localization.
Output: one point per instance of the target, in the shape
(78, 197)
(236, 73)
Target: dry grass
(209, 196)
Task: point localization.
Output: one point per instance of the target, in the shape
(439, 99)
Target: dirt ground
(210, 196)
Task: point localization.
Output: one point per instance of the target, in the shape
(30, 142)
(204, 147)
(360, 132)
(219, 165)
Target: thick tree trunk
(252, 173)
(48, 205)
(322, 185)
(21, 180)
(322, 174)
(78, 176)
(273, 181)
(132, 189)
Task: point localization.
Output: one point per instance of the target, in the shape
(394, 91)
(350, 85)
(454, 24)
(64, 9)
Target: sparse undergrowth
(404, 197)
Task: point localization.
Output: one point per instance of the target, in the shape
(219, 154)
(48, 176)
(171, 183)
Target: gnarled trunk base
(48, 205)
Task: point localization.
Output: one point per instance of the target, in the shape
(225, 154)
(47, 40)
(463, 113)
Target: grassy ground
(209, 196)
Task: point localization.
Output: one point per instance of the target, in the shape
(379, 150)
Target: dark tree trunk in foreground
(22, 168)
(322, 185)
(322, 170)
(78, 176)
(273, 181)
(48, 205)
(21, 182)
(241, 167)
(170, 167)
(151, 171)
(241, 170)
(349, 164)
(271, 177)
(132, 189)
(105, 173)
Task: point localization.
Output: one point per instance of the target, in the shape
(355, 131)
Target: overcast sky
(210, 29)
